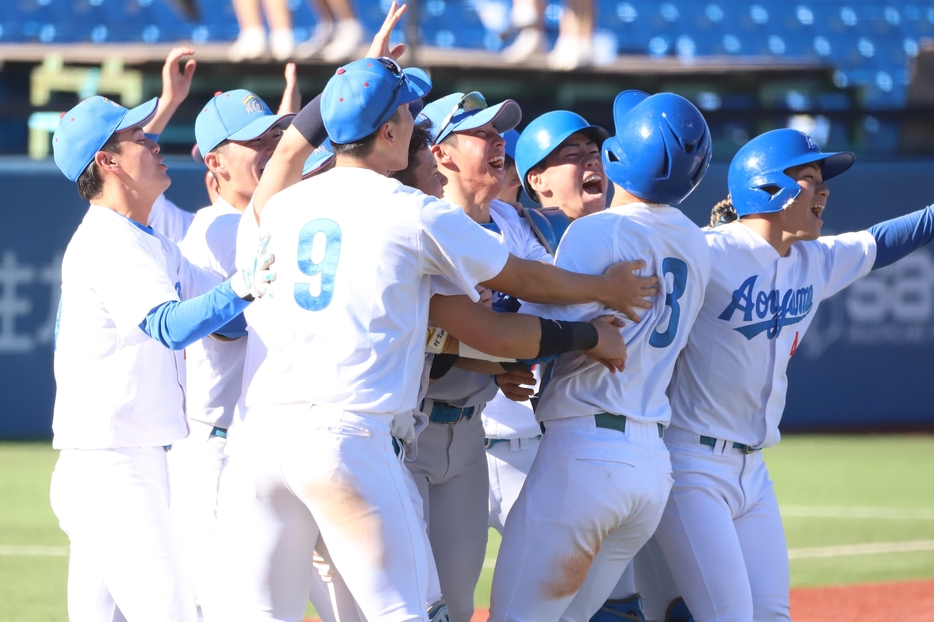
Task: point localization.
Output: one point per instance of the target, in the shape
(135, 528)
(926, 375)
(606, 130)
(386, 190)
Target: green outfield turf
(856, 509)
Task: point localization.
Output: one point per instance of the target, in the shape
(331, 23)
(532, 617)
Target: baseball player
(129, 304)
(237, 134)
(450, 466)
(600, 480)
(560, 153)
(359, 259)
(721, 531)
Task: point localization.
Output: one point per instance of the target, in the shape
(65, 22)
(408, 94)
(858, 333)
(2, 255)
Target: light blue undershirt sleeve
(177, 324)
(900, 236)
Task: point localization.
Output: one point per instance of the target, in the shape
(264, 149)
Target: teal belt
(610, 421)
(221, 432)
(442, 412)
(712, 442)
(489, 442)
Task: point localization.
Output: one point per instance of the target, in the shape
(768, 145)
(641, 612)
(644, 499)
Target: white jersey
(116, 386)
(463, 388)
(730, 381)
(169, 219)
(344, 324)
(215, 367)
(674, 249)
(503, 417)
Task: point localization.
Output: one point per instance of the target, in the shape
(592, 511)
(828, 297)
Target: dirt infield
(873, 602)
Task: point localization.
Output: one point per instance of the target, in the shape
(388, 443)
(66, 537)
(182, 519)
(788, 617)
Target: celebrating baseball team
(365, 353)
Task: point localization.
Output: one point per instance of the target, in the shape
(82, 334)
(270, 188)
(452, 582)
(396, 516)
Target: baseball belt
(712, 442)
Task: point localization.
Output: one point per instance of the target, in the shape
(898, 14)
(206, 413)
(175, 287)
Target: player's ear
(388, 132)
(537, 181)
(105, 161)
(441, 153)
(215, 162)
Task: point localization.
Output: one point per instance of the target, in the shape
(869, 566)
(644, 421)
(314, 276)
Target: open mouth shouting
(498, 163)
(593, 184)
(817, 209)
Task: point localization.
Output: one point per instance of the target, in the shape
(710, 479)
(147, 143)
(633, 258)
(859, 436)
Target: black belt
(712, 442)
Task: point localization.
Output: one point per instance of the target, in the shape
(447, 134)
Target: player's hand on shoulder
(626, 291)
(611, 349)
(486, 296)
(511, 384)
(254, 281)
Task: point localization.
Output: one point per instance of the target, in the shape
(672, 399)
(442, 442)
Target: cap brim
(626, 101)
(832, 163)
(138, 116)
(258, 127)
(196, 154)
(416, 86)
(316, 161)
(504, 116)
(415, 107)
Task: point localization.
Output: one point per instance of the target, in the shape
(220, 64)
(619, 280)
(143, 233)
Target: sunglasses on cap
(395, 70)
(468, 102)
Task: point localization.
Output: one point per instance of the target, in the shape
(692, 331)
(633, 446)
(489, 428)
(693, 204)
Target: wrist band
(559, 337)
(309, 124)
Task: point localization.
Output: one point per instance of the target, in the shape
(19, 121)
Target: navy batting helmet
(757, 179)
(544, 134)
(661, 149)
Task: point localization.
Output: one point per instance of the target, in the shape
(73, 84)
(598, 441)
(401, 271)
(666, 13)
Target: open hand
(511, 384)
(627, 291)
(611, 349)
(380, 45)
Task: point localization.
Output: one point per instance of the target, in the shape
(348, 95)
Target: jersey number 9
(319, 248)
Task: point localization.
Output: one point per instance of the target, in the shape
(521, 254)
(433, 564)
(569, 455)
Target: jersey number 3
(679, 272)
(319, 248)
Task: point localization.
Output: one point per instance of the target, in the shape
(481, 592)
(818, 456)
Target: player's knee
(627, 609)
(770, 609)
(678, 612)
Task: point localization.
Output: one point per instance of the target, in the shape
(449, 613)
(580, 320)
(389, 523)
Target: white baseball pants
(508, 463)
(722, 533)
(126, 562)
(195, 465)
(300, 471)
(591, 500)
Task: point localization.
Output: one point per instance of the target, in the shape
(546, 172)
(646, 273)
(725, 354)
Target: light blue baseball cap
(364, 94)
(319, 158)
(512, 138)
(84, 129)
(237, 115)
(459, 112)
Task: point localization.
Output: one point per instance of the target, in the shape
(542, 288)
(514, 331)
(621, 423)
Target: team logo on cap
(253, 104)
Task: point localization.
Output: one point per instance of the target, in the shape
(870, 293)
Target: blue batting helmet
(544, 134)
(662, 146)
(757, 179)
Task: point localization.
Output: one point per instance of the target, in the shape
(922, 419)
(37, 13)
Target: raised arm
(176, 83)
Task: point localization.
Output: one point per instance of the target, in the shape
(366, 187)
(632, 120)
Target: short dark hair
(363, 147)
(421, 138)
(90, 184)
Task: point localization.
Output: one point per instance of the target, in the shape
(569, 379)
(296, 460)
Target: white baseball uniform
(169, 219)
(595, 493)
(721, 531)
(342, 339)
(450, 467)
(119, 402)
(213, 378)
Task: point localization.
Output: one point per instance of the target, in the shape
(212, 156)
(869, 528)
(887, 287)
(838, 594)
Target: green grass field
(856, 509)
